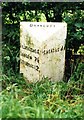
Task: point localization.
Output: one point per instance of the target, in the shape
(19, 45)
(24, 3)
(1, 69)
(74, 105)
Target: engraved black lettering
(46, 51)
(30, 57)
(40, 25)
(61, 48)
(58, 49)
(49, 50)
(37, 59)
(38, 51)
(24, 55)
(31, 25)
(34, 25)
(30, 65)
(30, 49)
(55, 49)
(37, 68)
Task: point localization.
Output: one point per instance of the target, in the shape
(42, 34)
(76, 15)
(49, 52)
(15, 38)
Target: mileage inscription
(30, 65)
(36, 59)
(45, 51)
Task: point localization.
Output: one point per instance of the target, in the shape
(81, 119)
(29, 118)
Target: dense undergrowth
(43, 99)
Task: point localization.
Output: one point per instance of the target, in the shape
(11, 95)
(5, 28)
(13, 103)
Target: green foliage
(75, 26)
(44, 99)
(81, 50)
(10, 49)
(78, 73)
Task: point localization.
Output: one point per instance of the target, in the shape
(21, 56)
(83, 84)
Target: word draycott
(42, 25)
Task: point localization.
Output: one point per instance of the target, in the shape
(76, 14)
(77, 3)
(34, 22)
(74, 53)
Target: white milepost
(42, 50)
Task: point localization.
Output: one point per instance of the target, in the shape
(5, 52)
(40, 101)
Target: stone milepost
(42, 50)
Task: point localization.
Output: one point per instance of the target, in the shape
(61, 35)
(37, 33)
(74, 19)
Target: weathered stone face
(42, 50)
